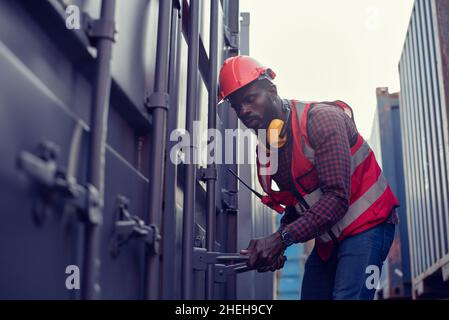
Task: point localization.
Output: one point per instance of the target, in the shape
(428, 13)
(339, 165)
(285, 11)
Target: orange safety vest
(371, 200)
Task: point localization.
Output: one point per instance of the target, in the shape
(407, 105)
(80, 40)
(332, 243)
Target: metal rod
(233, 22)
(251, 189)
(212, 124)
(190, 168)
(234, 257)
(169, 218)
(158, 146)
(100, 108)
(242, 267)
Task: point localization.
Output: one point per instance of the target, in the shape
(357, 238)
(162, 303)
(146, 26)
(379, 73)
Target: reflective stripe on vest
(264, 183)
(310, 198)
(308, 151)
(359, 156)
(358, 207)
(362, 204)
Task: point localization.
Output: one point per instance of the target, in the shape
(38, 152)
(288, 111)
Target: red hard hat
(237, 72)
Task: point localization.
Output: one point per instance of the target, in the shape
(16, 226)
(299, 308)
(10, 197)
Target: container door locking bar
(56, 188)
(223, 271)
(128, 227)
(202, 258)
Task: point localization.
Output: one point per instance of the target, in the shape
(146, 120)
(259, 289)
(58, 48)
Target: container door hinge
(232, 38)
(229, 199)
(156, 100)
(129, 227)
(98, 29)
(56, 189)
(205, 174)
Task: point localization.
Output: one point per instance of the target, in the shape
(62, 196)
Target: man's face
(254, 105)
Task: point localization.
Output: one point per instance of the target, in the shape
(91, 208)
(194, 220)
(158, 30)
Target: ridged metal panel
(32, 259)
(424, 125)
(46, 69)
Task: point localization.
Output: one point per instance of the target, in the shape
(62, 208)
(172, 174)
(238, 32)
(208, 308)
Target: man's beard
(270, 112)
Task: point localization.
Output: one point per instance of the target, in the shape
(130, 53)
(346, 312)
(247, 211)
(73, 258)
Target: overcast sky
(331, 49)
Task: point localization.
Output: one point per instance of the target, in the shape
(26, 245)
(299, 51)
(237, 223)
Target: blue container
(386, 143)
(424, 77)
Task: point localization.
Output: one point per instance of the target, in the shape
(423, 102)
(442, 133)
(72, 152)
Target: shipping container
(385, 140)
(424, 98)
(91, 92)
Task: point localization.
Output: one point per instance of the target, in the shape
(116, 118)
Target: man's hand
(266, 253)
(278, 264)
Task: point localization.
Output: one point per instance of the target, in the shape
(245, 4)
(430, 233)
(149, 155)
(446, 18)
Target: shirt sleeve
(328, 136)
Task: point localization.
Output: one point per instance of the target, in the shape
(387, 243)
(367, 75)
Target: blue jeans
(346, 274)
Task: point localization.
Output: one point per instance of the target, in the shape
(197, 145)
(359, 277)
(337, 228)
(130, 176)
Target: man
(331, 187)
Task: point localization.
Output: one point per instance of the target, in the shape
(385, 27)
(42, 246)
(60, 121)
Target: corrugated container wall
(51, 211)
(424, 78)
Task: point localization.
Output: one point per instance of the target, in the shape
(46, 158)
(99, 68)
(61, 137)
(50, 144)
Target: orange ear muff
(278, 128)
(274, 137)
